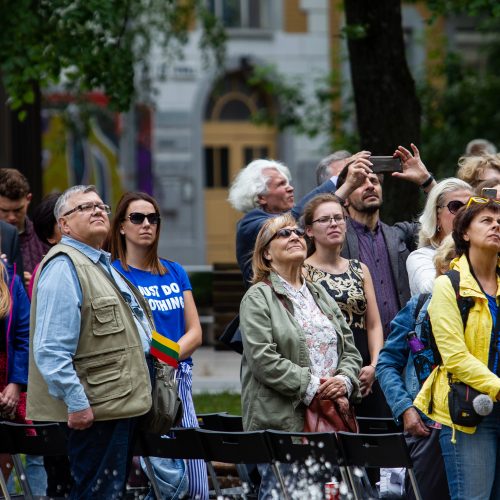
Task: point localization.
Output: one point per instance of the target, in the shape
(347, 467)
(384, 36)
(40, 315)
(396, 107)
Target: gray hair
(252, 182)
(62, 201)
(478, 147)
(322, 170)
(428, 234)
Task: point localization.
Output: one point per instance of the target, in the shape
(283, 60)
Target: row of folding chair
(326, 450)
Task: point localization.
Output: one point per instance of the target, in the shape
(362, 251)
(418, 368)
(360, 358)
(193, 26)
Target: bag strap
(278, 296)
(422, 299)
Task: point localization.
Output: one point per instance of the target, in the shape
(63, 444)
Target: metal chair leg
(3, 487)
(23, 480)
(414, 484)
(215, 482)
(281, 480)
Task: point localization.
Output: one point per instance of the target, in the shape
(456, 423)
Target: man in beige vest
(89, 343)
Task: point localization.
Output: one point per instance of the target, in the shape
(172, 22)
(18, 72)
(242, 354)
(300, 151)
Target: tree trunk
(387, 107)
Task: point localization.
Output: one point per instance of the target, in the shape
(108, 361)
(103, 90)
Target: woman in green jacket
(296, 343)
(471, 356)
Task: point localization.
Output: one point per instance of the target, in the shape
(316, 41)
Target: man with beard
(384, 249)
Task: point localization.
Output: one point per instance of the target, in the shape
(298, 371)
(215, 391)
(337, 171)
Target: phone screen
(383, 164)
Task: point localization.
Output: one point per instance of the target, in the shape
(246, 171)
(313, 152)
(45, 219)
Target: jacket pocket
(106, 319)
(105, 376)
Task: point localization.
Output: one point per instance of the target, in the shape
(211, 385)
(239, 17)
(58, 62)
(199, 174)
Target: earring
(438, 229)
(122, 231)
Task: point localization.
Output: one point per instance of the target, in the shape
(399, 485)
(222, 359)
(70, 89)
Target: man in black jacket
(10, 246)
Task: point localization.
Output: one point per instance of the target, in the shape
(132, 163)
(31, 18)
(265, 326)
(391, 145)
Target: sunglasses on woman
(138, 218)
(286, 233)
(453, 206)
(481, 201)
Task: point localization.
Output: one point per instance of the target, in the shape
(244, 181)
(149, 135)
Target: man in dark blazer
(383, 248)
(10, 246)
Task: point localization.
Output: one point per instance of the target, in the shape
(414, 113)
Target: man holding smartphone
(383, 248)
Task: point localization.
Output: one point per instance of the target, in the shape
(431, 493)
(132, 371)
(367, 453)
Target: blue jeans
(473, 463)
(100, 458)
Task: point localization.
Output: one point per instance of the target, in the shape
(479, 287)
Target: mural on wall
(80, 145)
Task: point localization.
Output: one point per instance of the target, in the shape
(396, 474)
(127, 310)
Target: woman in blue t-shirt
(165, 285)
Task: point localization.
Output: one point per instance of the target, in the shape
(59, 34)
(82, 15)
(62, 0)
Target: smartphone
(383, 164)
(489, 193)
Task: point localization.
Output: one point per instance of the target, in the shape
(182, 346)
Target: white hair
(429, 234)
(252, 182)
(60, 206)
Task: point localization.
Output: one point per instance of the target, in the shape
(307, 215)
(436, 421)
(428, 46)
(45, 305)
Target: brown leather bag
(324, 415)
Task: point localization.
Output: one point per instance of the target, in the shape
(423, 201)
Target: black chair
(31, 439)
(239, 448)
(211, 421)
(374, 425)
(375, 450)
(301, 447)
(230, 423)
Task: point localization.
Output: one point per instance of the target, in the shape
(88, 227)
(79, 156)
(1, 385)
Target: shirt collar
(92, 253)
(290, 290)
(359, 227)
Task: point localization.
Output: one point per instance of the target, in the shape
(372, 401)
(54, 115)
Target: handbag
(325, 415)
(460, 400)
(166, 409)
(231, 336)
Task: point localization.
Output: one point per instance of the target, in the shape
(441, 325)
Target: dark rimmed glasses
(89, 208)
(453, 206)
(138, 218)
(286, 233)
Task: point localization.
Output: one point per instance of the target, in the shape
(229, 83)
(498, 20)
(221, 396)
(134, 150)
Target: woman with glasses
(348, 281)
(436, 222)
(165, 285)
(296, 343)
(469, 346)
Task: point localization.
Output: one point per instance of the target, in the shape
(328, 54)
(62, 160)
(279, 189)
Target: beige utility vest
(109, 359)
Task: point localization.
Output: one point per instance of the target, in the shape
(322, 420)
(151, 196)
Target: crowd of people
(336, 302)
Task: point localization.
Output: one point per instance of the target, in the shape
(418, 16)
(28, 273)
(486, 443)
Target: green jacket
(275, 364)
(109, 360)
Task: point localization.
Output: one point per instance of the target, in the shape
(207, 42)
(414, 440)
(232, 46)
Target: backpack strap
(464, 303)
(422, 299)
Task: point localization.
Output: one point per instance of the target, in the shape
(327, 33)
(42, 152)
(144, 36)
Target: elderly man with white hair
(263, 190)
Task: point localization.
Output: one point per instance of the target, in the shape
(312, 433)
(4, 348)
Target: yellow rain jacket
(464, 354)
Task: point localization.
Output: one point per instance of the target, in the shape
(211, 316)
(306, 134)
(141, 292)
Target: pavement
(216, 371)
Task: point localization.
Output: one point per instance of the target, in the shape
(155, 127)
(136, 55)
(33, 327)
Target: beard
(366, 208)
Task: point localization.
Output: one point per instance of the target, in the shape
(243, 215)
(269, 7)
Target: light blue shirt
(58, 319)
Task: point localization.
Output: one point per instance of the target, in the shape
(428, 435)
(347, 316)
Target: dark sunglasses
(453, 206)
(286, 233)
(138, 218)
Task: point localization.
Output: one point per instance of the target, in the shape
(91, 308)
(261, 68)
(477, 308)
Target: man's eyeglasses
(327, 220)
(88, 208)
(138, 218)
(453, 206)
(480, 200)
(286, 233)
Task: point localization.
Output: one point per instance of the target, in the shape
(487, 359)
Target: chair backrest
(34, 439)
(374, 425)
(178, 443)
(236, 447)
(290, 447)
(374, 450)
(211, 421)
(231, 423)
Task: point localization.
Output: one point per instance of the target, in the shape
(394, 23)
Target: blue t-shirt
(494, 355)
(165, 296)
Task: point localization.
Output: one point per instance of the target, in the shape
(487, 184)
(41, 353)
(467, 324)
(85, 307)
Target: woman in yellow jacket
(471, 454)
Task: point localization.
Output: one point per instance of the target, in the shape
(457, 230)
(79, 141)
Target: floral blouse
(321, 338)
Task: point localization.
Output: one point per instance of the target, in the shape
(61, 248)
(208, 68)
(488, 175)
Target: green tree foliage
(95, 44)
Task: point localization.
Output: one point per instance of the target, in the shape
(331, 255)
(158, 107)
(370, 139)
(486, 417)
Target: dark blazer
(10, 246)
(400, 240)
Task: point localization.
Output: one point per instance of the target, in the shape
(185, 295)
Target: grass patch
(207, 402)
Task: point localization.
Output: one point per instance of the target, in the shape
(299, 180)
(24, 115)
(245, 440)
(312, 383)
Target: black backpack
(426, 336)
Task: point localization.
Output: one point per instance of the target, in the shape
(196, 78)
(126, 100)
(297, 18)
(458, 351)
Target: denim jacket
(395, 369)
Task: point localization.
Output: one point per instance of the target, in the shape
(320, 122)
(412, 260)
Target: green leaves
(95, 44)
